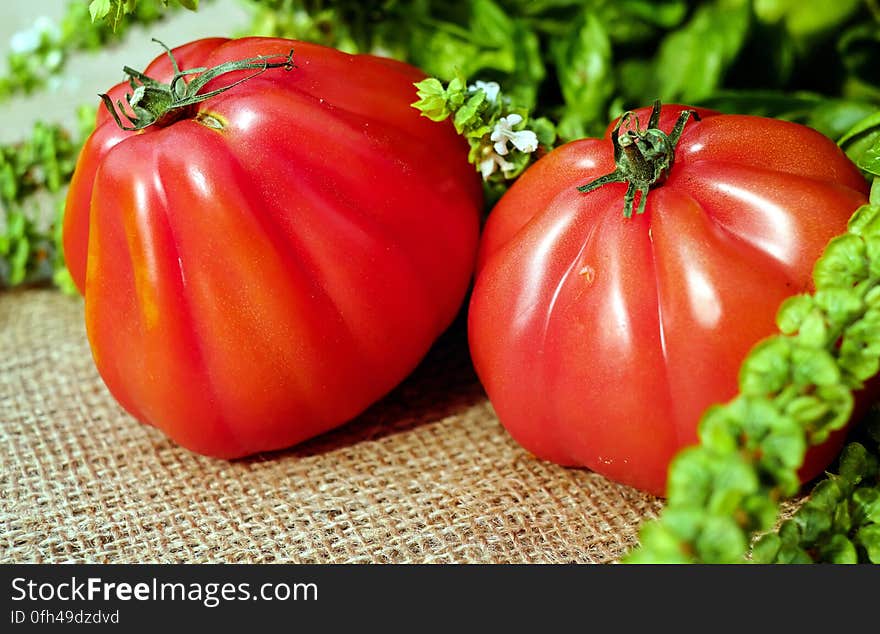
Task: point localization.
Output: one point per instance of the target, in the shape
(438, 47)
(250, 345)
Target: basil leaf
(693, 60)
(583, 64)
(859, 49)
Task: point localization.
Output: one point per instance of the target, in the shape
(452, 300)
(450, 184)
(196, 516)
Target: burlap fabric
(425, 476)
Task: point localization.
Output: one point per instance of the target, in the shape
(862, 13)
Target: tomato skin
(249, 287)
(618, 333)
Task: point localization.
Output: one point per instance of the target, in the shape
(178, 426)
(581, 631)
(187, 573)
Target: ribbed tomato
(265, 264)
(601, 339)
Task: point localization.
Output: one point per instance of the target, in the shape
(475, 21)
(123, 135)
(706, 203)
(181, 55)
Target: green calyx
(154, 103)
(643, 158)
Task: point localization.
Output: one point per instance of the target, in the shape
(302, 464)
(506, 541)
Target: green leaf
(661, 545)
(684, 524)
(843, 264)
(790, 550)
(793, 312)
(432, 99)
(868, 537)
(841, 305)
(859, 352)
(869, 124)
(692, 61)
(18, 262)
(116, 14)
(545, 130)
(813, 523)
(192, 5)
(62, 279)
(841, 519)
(854, 463)
(839, 550)
(583, 63)
(529, 69)
(766, 548)
(468, 114)
(840, 406)
(718, 430)
(99, 9)
(870, 159)
(767, 368)
(761, 510)
(793, 554)
(862, 138)
(762, 103)
(734, 479)
(663, 13)
(833, 117)
(826, 495)
(787, 446)
(859, 50)
(721, 541)
(864, 222)
(690, 476)
(806, 18)
(814, 331)
(867, 505)
(490, 24)
(814, 367)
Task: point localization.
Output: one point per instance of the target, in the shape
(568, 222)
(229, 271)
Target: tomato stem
(643, 158)
(153, 103)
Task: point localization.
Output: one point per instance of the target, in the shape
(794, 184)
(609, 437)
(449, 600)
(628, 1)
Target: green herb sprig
(33, 176)
(840, 522)
(503, 138)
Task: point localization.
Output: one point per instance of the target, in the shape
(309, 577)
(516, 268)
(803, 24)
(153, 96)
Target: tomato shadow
(442, 385)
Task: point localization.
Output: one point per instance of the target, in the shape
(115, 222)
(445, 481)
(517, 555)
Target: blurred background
(89, 72)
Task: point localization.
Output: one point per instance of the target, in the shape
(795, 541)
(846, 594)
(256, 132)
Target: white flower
(523, 140)
(491, 88)
(491, 160)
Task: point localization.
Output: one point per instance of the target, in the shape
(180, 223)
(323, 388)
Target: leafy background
(566, 67)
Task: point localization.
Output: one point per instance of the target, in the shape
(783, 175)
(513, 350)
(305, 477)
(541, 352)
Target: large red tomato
(269, 264)
(600, 339)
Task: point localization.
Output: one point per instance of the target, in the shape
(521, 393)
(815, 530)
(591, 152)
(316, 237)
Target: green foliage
(37, 56)
(502, 137)
(692, 60)
(33, 177)
(585, 73)
(580, 62)
(862, 143)
(112, 12)
(840, 521)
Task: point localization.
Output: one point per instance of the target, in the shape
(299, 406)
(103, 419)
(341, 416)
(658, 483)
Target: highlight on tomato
(621, 281)
(268, 239)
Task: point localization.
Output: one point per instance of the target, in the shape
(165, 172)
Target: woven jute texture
(427, 475)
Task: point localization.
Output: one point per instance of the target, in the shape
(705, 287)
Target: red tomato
(268, 266)
(600, 340)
